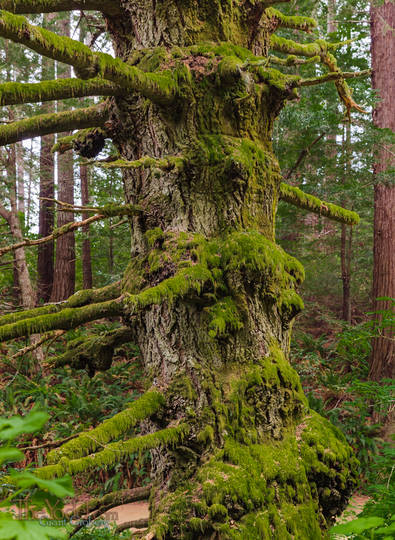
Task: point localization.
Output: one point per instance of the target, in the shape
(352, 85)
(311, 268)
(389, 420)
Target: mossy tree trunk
(208, 296)
(255, 462)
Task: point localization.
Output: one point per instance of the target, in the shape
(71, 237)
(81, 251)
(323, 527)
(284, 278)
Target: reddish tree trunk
(86, 243)
(383, 64)
(64, 276)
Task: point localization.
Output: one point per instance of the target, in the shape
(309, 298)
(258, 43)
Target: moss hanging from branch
(110, 7)
(78, 299)
(12, 93)
(166, 163)
(115, 452)
(299, 198)
(159, 87)
(44, 124)
(306, 24)
(66, 319)
(109, 430)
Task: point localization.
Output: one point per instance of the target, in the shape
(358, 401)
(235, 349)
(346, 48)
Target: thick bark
(214, 366)
(383, 64)
(64, 273)
(208, 295)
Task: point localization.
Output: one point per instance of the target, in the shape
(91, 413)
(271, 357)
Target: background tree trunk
(86, 243)
(45, 252)
(383, 80)
(64, 273)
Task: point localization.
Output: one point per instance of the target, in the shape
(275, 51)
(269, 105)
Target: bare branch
(52, 336)
(334, 76)
(159, 87)
(13, 93)
(302, 155)
(44, 124)
(110, 500)
(299, 198)
(109, 211)
(50, 444)
(110, 7)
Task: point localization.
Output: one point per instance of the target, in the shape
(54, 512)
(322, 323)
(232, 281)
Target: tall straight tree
(64, 273)
(383, 79)
(45, 253)
(208, 296)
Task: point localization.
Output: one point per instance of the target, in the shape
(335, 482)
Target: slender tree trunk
(86, 243)
(383, 79)
(45, 252)
(64, 274)
(346, 233)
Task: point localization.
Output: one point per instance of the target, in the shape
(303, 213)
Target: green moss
(43, 124)
(118, 451)
(12, 93)
(110, 429)
(224, 317)
(65, 319)
(296, 22)
(297, 197)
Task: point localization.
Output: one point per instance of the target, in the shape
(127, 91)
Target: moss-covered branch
(78, 299)
(12, 93)
(44, 124)
(65, 319)
(306, 24)
(159, 87)
(110, 429)
(146, 162)
(299, 198)
(315, 48)
(95, 352)
(111, 7)
(115, 452)
(105, 212)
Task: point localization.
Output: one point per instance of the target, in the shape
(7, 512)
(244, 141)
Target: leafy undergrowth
(74, 402)
(332, 359)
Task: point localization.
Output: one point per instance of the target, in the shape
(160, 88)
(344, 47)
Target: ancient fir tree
(189, 102)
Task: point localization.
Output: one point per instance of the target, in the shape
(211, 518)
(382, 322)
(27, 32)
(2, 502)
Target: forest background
(319, 149)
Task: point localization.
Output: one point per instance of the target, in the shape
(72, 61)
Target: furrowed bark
(14, 93)
(44, 124)
(110, 7)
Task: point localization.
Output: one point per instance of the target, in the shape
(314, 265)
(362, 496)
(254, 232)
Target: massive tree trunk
(254, 462)
(383, 64)
(208, 296)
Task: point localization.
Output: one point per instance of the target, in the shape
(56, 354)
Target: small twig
(51, 444)
(125, 220)
(51, 336)
(56, 233)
